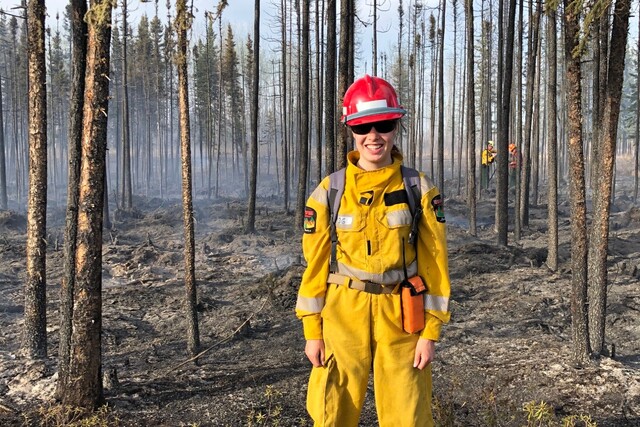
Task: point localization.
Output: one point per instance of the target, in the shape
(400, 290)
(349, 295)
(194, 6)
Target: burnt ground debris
(508, 343)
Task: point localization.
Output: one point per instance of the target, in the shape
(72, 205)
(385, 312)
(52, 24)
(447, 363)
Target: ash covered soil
(508, 343)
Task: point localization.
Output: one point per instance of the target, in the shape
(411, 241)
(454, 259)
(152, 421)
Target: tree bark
(35, 307)
(471, 121)
(552, 138)
(4, 202)
(330, 90)
(67, 286)
(579, 328)
(183, 22)
(503, 129)
(255, 90)
(304, 116)
(84, 386)
(599, 236)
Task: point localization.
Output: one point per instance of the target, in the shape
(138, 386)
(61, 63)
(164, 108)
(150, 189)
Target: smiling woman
(364, 226)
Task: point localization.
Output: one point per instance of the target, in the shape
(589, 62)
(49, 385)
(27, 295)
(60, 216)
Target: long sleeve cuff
(432, 327)
(312, 326)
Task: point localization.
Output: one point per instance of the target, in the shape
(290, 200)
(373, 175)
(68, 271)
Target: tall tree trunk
(637, 151)
(599, 236)
(319, 76)
(304, 115)
(579, 328)
(344, 75)
(67, 286)
(525, 168)
(4, 202)
(441, 99)
(503, 137)
(330, 89)
(183, 23)
(255, 90)
(127, 197)
(471, 121)
(552, 138)
(35, 305)
(84, 385)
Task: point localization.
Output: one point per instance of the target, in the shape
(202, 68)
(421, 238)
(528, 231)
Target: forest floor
(508, 344)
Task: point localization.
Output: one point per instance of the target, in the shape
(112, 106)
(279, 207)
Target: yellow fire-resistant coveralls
(362, 330)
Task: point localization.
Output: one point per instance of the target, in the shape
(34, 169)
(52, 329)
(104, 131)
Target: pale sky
(240, 14)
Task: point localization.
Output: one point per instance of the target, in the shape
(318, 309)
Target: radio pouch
(412, 304)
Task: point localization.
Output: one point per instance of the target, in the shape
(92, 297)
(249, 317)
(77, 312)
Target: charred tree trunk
(552, 135)
(183, 22)
(127, 197)
(330, 89)
(503, 137)
(344, 74)
(35, 305)
(471, 121)
(4, 202)
(304, 115)
(84, 386)
(441, 100)
(599, 236)
(255, 90)
(67, 286)
(579, 328)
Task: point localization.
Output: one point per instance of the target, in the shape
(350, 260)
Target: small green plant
(538, 414)
(270, 414)
(578, 421)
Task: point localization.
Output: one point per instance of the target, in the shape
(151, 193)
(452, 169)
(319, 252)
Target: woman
(349, 299)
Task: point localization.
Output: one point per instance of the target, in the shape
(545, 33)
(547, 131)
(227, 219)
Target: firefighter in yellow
(349, 299)
(488, 156)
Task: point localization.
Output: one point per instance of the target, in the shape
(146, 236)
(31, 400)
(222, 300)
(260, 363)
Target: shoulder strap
(336, 189)
(411, 180)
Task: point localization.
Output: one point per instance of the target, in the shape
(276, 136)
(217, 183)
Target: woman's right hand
(314, 349)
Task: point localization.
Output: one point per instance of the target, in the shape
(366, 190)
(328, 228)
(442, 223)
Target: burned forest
(155, 162)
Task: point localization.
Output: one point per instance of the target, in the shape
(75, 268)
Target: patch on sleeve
(310, 217)
(438, 208)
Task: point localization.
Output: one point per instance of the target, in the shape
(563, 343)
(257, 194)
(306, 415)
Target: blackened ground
(508, 344)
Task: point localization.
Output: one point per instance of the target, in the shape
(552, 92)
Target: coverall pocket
(319, 388)
(398, 218)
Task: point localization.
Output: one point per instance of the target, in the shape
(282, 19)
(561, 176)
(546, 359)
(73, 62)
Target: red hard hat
(370, 99)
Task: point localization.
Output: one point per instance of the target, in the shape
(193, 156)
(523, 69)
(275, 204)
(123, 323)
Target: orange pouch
(412, 302)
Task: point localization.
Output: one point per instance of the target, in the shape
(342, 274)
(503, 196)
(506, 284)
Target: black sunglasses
(384, 126)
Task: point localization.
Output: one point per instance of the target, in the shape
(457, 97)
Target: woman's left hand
(425, 353)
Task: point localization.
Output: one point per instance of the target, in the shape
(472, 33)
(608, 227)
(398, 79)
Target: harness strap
(336, 189)
(365, 286)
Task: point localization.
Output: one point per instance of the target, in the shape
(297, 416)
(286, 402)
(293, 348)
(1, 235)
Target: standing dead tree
(183, 22)
(471, 120)
(35, 306)
(84, 386)
(579, 329)
(79, 53)
(255, 89)
(599, 235)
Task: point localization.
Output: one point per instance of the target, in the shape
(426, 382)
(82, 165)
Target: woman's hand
(314, 349)
(425, 353)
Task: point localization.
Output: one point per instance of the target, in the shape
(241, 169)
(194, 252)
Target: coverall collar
(387, 171)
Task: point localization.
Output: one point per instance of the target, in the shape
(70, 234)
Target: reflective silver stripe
(401, 217)
(310, 305)
(389, 277)
(436, 303)
(320, 196)
(425, 185)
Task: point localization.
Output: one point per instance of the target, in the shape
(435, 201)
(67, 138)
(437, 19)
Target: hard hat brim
(371, 116)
